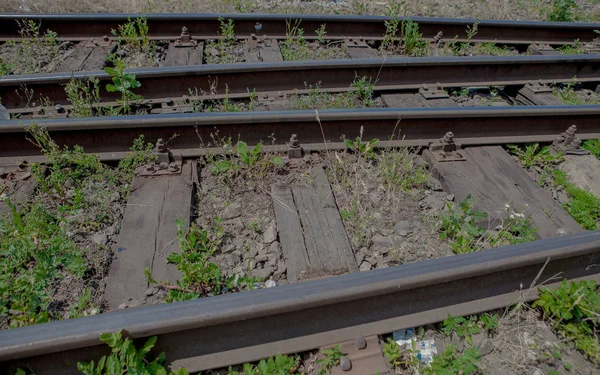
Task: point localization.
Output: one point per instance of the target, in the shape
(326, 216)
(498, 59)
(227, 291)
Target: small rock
(375, 197)
(562, 197)
(402, 225)
(263, 273)
(365, 266)
(261, 258)
(479, 338)
(239, 243)
(4, 114)
(274, 248)
(232, 211)
(434, 184)
(270, 284)
(377, 216)
(229, 248)
(345, 363)
(486, 347)
(381, 243)
(270, 234)
(151, 291)
(450, 197)
(115, 197)
(561, 232)
(237, 254)
(100, 239)
(538, 372)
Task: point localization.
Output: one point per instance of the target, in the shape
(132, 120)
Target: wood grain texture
(494, 179)
(148, 235)
(266, 51)
(312, 234)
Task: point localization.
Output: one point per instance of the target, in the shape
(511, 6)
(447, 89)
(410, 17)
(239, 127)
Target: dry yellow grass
(588, 10)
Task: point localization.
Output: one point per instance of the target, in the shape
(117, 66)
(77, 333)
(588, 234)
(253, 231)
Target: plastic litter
(426, 348)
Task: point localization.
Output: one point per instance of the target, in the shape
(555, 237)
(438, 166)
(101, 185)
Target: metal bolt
(571, 131)
(185, 35)
(59, 108)
(169, 101)
(360, 342)
(163, 165)
(265, 96)
(294, 143)
(161, 146)
(345, 363)
(448, 138)
(173, 167)
(258, 26)
(105, 38)
(280, 94)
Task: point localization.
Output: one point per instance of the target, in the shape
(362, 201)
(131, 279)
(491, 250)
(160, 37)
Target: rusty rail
(271, 79)
(111, 137)
(225, 330)
(205, 26)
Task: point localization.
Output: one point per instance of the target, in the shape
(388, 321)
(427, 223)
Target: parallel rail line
(111, 137)
(205, 26)
(230, 329)
(273, 79)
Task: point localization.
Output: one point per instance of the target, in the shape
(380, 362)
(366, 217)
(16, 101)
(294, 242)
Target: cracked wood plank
(313, 238)
(148, 235)
(494, 179)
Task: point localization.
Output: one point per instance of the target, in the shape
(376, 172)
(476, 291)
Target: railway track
(83, 27)
(460, 145)
(224, 330)
(161, 87)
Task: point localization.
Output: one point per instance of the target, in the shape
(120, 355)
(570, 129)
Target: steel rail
(108, 136)
(271, 79)
(224, 330)
(205, 26)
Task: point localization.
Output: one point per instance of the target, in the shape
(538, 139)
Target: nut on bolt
(294, 149)
(345, 363)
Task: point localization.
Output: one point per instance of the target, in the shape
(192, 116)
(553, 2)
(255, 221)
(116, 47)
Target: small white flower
(520, 216)
(512, 216)
(3, 196)
(507, 205)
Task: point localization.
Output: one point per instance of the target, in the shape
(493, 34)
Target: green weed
(361, 95)
(492, 49)
(572, 49)
(365, 149)
(278, 365)
(463, 327)
(413, 42)
(450, 362)
(459, 226)
(593, 146)
(223, 45)
(201, 277)
(295, 47)
(562, 11)
(123, 82)
(583, 206)
(321, 34)
(393, 9)
(331, 358)
(126, 359)
(400, 172)
(535, 157)
(401, 358)
(84, 97)
(364, 90)
(574, 309)
(33, 52)
(134, 33)
(570, 96)
(462, 48)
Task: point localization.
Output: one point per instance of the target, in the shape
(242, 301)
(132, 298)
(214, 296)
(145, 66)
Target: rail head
(513, 265)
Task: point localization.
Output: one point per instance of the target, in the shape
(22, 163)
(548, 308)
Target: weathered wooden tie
(312, 234)
(262, 50)
(86, 56)
(495, 179)
(148, 235)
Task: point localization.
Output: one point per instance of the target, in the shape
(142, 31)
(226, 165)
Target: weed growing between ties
(562, 11)
(36, 53)
(593, 146)
(52, 268)
(125, 358)
(201, 277)
(571, 94)
(583, 206)
(226, 49)
(134, 44)
(199, 103)
(460, 225)
(361, 96)
(572, 49)
(573, 310)
(412, 42)
(449, 362)
(295, 47)
(84, 96)
(358, 173)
